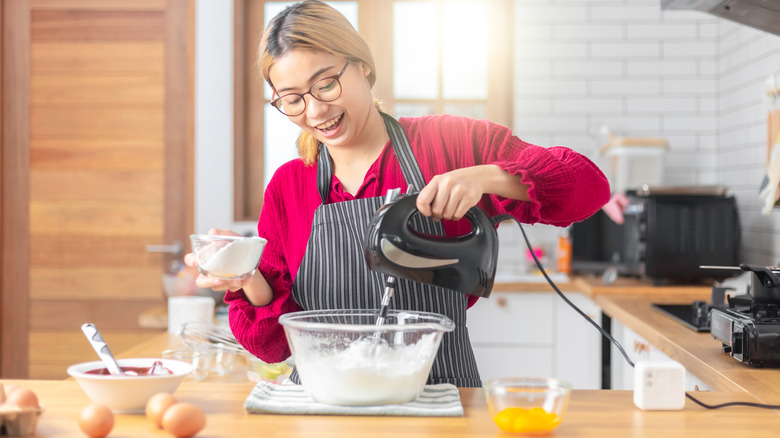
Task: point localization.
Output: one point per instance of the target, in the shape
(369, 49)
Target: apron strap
(401, 147)
(324, 173)
(403, 150)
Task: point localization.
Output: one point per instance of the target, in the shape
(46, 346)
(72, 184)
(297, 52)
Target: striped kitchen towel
(442, 400)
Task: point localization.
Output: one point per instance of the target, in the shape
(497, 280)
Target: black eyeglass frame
(277, 103)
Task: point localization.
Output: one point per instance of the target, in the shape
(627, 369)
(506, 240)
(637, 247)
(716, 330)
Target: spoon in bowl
(101, 348)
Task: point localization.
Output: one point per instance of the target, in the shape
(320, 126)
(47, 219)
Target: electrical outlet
(659, 385)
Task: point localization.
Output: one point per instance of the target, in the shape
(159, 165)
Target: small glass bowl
(272, 372)
(223, 361)
(200, 359)
(227, 257)
(527, 406)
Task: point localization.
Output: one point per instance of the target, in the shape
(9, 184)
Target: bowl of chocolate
(128, 392)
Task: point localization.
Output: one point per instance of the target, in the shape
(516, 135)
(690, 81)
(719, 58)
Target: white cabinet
(577, 342)
(638, 349)
(536, 335)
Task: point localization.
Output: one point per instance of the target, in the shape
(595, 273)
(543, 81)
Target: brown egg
(156, 407)
(22, 398)
(96, 421)
(183, 419)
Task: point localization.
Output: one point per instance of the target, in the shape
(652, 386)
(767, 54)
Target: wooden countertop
(594, 414)
(628, 300)
(700, 353)
(605, 413)
(593, 286)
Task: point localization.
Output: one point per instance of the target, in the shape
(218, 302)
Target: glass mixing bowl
(344, 358)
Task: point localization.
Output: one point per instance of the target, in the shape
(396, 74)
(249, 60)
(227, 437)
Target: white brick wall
(747, 58)
(690, 77)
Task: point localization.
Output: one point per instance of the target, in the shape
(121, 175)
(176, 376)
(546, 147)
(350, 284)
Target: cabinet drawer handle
(501, 301)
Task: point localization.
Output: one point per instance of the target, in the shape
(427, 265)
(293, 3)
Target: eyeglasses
(325, 90)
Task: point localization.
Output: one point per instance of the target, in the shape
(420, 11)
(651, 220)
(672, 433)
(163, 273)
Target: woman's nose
(315, 108)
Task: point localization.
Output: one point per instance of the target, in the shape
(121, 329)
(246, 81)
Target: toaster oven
(667, 235)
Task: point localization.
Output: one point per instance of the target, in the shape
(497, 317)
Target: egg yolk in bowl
(533, 421)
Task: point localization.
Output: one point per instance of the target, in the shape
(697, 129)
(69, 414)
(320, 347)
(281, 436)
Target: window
(451, 57)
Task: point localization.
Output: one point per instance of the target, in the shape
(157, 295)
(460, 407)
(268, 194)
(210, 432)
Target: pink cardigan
(564, 187)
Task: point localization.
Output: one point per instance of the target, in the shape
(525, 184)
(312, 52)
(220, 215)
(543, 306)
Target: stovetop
(749, 330)
(695, 316)
(747, 307)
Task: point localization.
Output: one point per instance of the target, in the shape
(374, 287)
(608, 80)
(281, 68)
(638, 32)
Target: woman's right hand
(214, 283)
(256, 288)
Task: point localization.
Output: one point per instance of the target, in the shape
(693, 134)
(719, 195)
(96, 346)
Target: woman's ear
(365, 68)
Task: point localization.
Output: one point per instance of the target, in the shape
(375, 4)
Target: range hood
(760, 14)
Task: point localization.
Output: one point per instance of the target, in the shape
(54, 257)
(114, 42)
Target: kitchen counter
(628, 300)
(700, 353)
(591, 414)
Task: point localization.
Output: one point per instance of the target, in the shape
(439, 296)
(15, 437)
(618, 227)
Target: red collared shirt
(564, 187)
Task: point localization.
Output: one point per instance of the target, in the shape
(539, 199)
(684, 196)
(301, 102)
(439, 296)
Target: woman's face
(339, 123)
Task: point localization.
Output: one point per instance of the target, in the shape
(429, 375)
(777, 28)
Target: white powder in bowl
(236, 259)
(366, 373)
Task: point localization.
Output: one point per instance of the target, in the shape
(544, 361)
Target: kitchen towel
(442, 400)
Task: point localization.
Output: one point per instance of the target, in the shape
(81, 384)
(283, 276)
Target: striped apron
(335, 275)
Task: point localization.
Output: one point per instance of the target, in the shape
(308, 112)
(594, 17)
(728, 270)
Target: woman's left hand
(450, 195)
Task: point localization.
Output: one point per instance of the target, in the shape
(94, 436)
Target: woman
(316, 208)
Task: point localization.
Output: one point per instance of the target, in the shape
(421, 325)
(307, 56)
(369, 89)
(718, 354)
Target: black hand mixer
(466, 263)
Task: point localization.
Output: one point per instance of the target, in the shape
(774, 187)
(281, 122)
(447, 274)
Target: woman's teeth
(330, 123)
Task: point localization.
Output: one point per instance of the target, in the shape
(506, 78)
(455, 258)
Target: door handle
(176, 248)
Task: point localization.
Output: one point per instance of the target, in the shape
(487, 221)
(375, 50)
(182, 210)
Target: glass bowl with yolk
(527, 406)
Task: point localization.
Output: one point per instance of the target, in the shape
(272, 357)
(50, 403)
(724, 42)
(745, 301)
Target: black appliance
(596, 244)
(667, 234)
(394, 246)
(749, 327)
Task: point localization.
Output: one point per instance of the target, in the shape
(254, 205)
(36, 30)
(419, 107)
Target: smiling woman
(316, 207)
(436, 68)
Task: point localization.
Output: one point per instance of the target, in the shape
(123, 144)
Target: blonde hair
(312, 25)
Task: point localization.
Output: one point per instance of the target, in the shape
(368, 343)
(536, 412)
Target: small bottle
(564, 252)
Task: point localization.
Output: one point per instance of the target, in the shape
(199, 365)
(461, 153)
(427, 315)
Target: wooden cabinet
(536, 334)
(105, 168)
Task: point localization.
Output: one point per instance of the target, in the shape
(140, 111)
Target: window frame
(249, 99)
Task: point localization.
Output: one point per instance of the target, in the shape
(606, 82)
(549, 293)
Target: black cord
(573, 306)
(615, 342)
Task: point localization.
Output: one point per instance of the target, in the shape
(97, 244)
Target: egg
(22, 398)
(156, 407)
(96, 420)
(183, 420)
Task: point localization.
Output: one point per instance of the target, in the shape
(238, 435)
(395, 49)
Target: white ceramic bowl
(344, 358)
(128, 394)
(227, 257)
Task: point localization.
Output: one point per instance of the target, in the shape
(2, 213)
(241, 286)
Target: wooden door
(108, 170)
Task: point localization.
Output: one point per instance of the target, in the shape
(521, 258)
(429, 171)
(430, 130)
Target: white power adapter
(659, 385)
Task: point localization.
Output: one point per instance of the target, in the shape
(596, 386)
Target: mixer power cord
(606, 334)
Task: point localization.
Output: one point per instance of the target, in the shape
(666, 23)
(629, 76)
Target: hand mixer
(465, 264)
